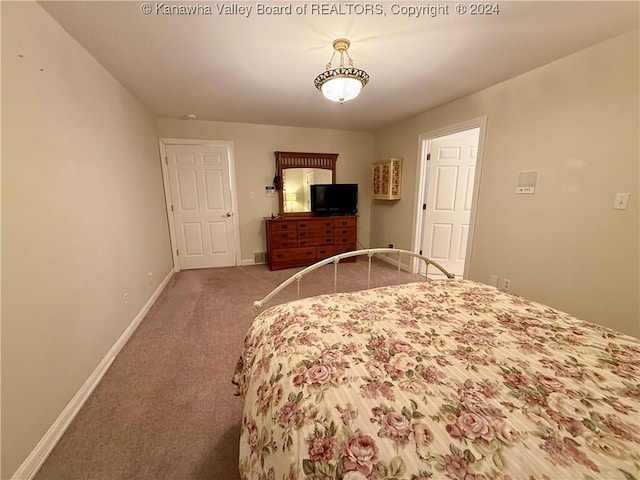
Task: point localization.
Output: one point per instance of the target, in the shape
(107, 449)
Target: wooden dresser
(294, 242)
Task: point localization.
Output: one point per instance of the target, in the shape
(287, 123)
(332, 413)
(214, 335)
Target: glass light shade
(341, 89)
(341, 84)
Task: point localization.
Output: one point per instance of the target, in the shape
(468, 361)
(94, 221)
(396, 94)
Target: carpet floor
(166, 407)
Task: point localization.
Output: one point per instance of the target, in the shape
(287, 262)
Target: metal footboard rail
(258, 304)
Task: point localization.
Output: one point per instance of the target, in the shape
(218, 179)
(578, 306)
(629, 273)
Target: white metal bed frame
(258, 304)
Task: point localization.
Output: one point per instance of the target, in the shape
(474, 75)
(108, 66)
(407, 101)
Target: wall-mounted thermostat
(269, 191)
(527, 181)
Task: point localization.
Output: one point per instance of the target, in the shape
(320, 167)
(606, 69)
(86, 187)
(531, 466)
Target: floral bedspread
(438, 379)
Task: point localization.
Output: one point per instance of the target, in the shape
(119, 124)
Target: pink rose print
(423, 437)
(473, 426)
(319, 374)
(396, 427)
(347, 414)
(290, 416)
(321, 448)
(403, 362)
(360, 453)
(400, 346)
(298, 380)
(456, 467)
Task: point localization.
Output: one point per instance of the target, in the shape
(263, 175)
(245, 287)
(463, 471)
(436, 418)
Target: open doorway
(446, 196)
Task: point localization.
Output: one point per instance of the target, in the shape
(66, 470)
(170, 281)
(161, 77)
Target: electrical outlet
(493, 280)
(621, 201)
(506, 284)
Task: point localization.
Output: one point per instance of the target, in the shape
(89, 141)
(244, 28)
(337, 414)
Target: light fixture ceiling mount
(341, 84)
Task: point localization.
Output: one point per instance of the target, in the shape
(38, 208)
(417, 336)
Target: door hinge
(419, 252)
(424, 206)
(177, 252)
(172, 208)
(166, 160)
(428, 156)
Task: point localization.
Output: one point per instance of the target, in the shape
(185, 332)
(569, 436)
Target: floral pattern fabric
(443, 379)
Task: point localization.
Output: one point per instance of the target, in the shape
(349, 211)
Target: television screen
(334, 199)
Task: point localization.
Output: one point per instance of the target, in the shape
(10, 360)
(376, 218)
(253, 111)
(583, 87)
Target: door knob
(228, 214)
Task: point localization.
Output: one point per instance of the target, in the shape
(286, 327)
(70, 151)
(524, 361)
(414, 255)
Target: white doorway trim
(163, 142)
(420, 187)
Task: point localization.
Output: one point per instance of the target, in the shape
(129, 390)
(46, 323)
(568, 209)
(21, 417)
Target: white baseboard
(433, 275)
(39, 454)
(394, 262)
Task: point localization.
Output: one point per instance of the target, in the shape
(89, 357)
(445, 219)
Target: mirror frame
(284, 160)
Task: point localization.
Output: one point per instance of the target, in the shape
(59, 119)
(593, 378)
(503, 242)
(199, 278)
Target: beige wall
(83, 221)
(254, 147)
(577, 122)
(83, 217)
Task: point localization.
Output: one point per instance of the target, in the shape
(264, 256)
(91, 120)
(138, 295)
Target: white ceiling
(261, 69)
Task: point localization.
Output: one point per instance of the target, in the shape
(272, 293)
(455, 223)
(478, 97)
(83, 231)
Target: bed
(436, 379)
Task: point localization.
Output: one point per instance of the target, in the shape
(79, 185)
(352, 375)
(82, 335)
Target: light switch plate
(621, 201)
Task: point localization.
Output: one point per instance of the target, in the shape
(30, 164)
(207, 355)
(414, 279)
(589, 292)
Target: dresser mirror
(295, 172)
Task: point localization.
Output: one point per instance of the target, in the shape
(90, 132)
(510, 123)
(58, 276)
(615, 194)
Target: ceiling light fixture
(343, 83)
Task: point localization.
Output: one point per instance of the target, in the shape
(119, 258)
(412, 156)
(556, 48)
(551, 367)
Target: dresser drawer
(345, 232)
(314, 224)
(308, 242)
(294, 254)
(331, 250)
(286, 243)
(345, 222)
(314, 231)
(290, 226)
(281, 236)
(345, 235)
(298, 241)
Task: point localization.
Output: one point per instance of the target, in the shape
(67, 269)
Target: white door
(199, 179)
(449, 198)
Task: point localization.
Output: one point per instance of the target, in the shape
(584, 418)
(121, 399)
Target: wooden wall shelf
(387, 179)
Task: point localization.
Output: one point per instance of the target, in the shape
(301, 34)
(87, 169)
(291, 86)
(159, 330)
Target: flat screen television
(334, 199)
